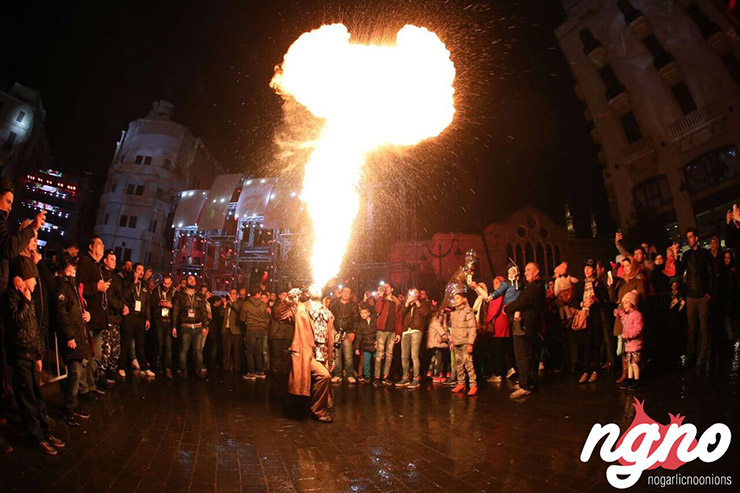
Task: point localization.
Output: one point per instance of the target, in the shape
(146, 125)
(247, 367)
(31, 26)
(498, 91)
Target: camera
(339, 336)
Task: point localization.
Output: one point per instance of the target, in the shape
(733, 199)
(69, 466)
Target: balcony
(697, 127)
(670, 73)
(638, 150)
(620, 103)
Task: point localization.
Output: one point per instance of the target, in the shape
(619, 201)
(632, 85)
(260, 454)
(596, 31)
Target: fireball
(369, 96)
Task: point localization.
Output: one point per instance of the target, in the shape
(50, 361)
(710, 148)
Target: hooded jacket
(254, 314)
(11, 245)
(69, 313)
(22, 332)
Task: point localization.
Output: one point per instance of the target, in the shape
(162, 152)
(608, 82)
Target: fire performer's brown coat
(302, 351)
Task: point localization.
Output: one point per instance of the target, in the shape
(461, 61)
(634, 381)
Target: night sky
(519, 137)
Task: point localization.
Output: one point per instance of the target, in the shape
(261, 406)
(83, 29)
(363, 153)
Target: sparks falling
(369, 96)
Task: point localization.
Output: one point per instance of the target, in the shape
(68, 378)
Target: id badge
(137, 305)
(165, 312)
(191, 313)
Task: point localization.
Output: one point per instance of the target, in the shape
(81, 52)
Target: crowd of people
(115, 322)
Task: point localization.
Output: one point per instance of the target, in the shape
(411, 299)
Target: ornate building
(155, 159)
(660, 84)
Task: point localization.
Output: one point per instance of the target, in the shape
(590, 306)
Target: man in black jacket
(111, 336)
(696, 262)
(527, 312)
(136, 323)
(26, 349)
(231, 331)
(94, 288)
(162, 316)
(346, 315)
(72, 318)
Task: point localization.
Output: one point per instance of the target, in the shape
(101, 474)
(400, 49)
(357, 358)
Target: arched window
(519, 256)
(540, 257)
(529, 253)
(550, 260)
(557, 255)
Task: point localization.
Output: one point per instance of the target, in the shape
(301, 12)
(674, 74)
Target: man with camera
(414, 319)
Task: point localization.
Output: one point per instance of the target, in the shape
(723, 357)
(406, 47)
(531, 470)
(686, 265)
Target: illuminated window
(21, 116)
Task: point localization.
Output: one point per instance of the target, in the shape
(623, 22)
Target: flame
(369, 96)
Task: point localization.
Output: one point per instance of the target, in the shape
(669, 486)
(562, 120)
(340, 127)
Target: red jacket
(382, 307)
(498, 318)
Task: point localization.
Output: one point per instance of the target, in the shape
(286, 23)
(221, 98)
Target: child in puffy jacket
(632, 323)
(463, 331)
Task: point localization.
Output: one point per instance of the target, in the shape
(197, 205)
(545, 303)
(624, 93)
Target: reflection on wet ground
(225, 434)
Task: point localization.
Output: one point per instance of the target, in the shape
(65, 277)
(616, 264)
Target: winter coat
(182, 303)
(463, 327)
(69, 313)
(89, 272)
(497, 321)
(11, 245)
(531, 304)
(699, 276)
(617, 293)
(131, 295)
(435, 335)
(302, 351)
(365, 335)
(632, 332)
(254, 314)
(21, 329)
(346, 315)
(388, 310)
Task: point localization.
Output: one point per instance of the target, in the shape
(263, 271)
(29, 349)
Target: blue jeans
(344, 359)
(367, 360)
(410, 346)
(74, 374)
(190, 338)
(386, 340)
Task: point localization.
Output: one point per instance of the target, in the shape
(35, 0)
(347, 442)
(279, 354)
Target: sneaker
(5, 447)
(98, 391)
(261, 375)
(336, 379)
(79, 413)
(69, 418)
(324, 418)
(451, 382)
(148, 373)
(473, 391)
(510, 373)
(362, 379)
(168, 374)
(414, 385)
(46, 448)
(584, 378)
(519, 393)
(494, 379)
(404, 382)
(594, 376)
(376, 382)
(250, 376)
(351, 380)
(429, 374)
(201, 373)
(122, 374)
(541, 367)
(459, 388)
(387, 382)
(625, 385)
(438, 379)
(55, 442)
(135, 364)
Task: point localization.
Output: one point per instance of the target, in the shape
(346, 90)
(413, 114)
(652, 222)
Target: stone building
(659, 81)
(155, 159)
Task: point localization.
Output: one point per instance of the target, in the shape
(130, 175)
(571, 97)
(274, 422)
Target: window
(130, 189)
(113, 188)
(132, 222)
(21, 116)
(540, 257)
(652, 193)
(126, 254)
(154, 226)
(683, 97)
(139, 159)
(661, 58)
(139, 189)
(106, 219)
(167, 164)
(147, 160)
(9, 141)
(550, 258)
(519, 255)
(123, 221)
(160, 194)
(711, 169)
(529, 253)
(631, 128)
(732, 65)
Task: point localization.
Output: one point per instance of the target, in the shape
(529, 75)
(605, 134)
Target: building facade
(63, 196)
(23, 142)
(660, 82)
(155, 159)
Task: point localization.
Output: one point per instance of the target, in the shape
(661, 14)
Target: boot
(623, 377)
(459, 388)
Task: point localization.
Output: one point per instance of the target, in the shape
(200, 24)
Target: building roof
(188, 210)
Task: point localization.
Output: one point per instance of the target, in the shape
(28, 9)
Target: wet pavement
(225, 434)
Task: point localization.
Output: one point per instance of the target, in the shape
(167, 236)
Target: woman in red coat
(498, 321)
